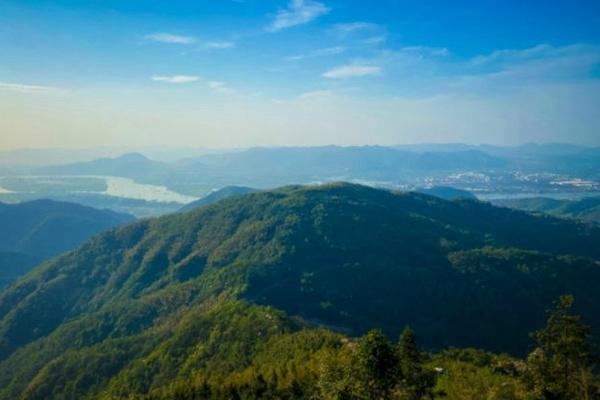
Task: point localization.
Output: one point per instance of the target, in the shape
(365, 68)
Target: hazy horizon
(64, 155)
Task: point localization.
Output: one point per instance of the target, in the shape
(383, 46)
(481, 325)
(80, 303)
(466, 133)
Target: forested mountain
(45, 228)
(36, 230)
(220, 194)
(205, 295)
(587, 209)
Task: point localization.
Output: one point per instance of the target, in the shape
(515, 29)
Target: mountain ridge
(34, 231)
(344, 255)
(586, 209)
(217, 195)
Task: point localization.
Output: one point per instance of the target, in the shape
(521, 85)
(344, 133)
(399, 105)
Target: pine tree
(560, 367)
(410, 358)
(417, 383)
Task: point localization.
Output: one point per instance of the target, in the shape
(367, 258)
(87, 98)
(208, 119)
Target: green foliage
(377, 366)
(339, 375)
(215, 196)
(462, 380)
(560, 366)
(372, 368)
(197, 303)
(417, 382)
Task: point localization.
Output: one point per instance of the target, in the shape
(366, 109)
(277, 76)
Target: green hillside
(45, 228)
(211, 293)
(213, 197)
(33, 231)
(587, 209)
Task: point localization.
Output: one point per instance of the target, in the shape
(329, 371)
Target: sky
(242, 73)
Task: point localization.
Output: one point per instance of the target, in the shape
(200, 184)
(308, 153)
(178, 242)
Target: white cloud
(176, 78)
(162, 37)
(352, 71)
(220, 44)
(328, 51)
(315, 94)
(517, 54)
(220, 87)
(375, 39)
(23, 88)
(426, 51)
(298, 12)
(350, 27)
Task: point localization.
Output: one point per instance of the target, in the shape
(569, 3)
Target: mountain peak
(133, 157)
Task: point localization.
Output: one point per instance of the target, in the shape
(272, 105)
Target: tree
(560, 367)
(417, 383)
(337, 375)
(367, 370)
(410, 358)
(378, 366)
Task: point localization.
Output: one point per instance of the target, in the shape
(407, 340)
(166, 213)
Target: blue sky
(238, 73)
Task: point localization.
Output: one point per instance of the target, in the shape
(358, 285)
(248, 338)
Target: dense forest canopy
(267, 293)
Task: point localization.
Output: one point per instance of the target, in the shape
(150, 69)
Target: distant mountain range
(207, 292)
(131, 165)
(478, 169)
(268, 167)
(34, 231)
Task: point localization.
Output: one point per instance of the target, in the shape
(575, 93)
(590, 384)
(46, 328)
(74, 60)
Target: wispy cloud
(176, 79)
(422, 70)
(426, 51)
(23, 88)
(162, 37)
(346, 29)
(298, 12)
(315, 94)
(503, 55)
(328, 51)
(352, 71)
(220, 44)
(220, 87)
(514, 68)
(580, 54)
(375, 40)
